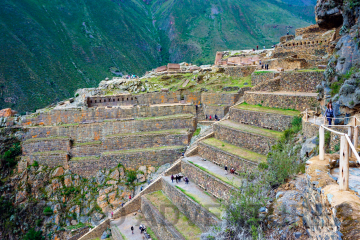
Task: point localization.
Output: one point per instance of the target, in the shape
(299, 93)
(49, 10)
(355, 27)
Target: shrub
(76, 95)
(131, 176)
(35, 164)
(9, 156)
(48, 211)
(33, 235)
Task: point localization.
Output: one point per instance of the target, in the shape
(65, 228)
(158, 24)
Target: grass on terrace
(87, 143)
(258, 108)
(46, 139)
(214, 210)
(143, 150)
(176, 116)
(311, 70)
(166, 131)
(252, 129)
(222, 178)
(241, 152)
(263, 72)
(85, 158)
(174, 216)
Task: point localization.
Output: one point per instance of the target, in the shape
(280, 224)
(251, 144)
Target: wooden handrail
(339, 133)
(353, 148)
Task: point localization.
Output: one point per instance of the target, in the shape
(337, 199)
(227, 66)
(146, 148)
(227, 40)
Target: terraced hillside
(51, 48)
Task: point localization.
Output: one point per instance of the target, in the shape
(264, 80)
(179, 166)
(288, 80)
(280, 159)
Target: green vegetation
(197, 132)
(87, 143)
(173, 215)
(214, 210)
(151, 233)
(85, 158)
(262, 72)
(48, 211)
(241, 152)
(335, 86)
(79, 225)
(252, 129)
(33, 235)
(131, 176)
(311, 70)
(259, 108)
(9, 157)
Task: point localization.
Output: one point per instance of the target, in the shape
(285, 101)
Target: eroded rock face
(328, 13)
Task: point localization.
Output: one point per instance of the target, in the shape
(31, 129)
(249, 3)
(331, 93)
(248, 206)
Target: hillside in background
(51, 48)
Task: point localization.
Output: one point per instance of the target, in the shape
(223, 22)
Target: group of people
(142, 229)
(264, 66)
(257, 47)
(178, 179)
(131, 76)
(232, 170)
(210, 118)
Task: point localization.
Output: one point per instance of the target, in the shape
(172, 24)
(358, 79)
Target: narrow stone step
(157, 203)
(284, 100)
(264, 117)
(250, 137)
(222, 153)
(212, 178)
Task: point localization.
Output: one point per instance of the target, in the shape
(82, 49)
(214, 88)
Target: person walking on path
(172, 178)
(132, 229)
(226, 170)
(112, 214)
(130, 197)
(329, 113)
(257, 47)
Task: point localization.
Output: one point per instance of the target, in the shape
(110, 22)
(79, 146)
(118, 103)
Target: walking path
(285, 93)
(215, 170)
(124, 225)
(198, 195)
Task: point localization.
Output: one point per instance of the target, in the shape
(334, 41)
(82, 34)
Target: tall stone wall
(90, 115)
(254, 142)
(271, 85)
(97, 231)
(219, 98)
(287, 63)
(301, 81)
(220, 111)
(239, 71)
(192, 210)
(97, 131)
(223, 158)
(45, 145)
(159, 225)
(130, 159)
(261, 119)
(261, 76)
(290, 101)
(51, 159)
(206, 181)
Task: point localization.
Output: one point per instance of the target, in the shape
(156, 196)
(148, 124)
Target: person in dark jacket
(329, 113)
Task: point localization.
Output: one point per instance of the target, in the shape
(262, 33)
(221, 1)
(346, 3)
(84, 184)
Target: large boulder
(328, 13)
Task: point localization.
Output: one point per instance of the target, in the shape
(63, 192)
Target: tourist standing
(172, 178)
(257, 47)
(329, 113)
(132, 229)
(226, 170)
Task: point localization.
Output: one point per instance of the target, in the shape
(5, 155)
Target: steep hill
(51, 48)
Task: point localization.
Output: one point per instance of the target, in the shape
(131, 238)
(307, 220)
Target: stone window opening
(95, 101)
(114, 100)
(131, 99)
(104, 100)
(135, 98)
(109, 100)
(122, 99)
(90, 101)
(300, 43)
(100, 100)
(127, 99)
(118, 99)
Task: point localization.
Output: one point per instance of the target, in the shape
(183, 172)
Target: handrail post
(306, 115)
(344, 165)
(321, 143)
(350, 134)
(356, 136)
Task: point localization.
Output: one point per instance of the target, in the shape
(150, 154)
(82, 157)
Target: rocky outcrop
(328, 13)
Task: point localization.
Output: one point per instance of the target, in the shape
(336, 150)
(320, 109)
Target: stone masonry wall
(194, 211)
(125, 142)
(223, 158)
(287, 63)
(261, 76)
(100, 114)
(271, 85)
(45, 145)
(159, 225)
(131, 160)
(96, 232)
(257, 143)
(301, 81)
(309, 130)
(96, 131)
(261, 119)
(219, 98)
(206, 181)
(239, 71)
(220, 111)
(51, 159)
(297, 102)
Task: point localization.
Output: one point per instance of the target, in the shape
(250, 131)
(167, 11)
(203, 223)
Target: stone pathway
(124, 225)
(215, 170)
(199, 195)
(354, 178)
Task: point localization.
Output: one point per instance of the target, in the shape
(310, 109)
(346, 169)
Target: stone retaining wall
(309, 130)
(206, 181)
(301, 81)
(254, 142)
(51, 159)
(261, 119)
(239, 71)
(100, 114)
(97, 231)
(96, 131)
(130, 160)
(219, 98)
(296, 102)
(88, 149)
(162, 228)
(192, 210)
(261, 76)
(271, 85)
(287, 63)
(223, 158)
(220, 111)
(45, 145)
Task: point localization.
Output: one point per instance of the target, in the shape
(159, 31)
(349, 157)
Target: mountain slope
(51, 48)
